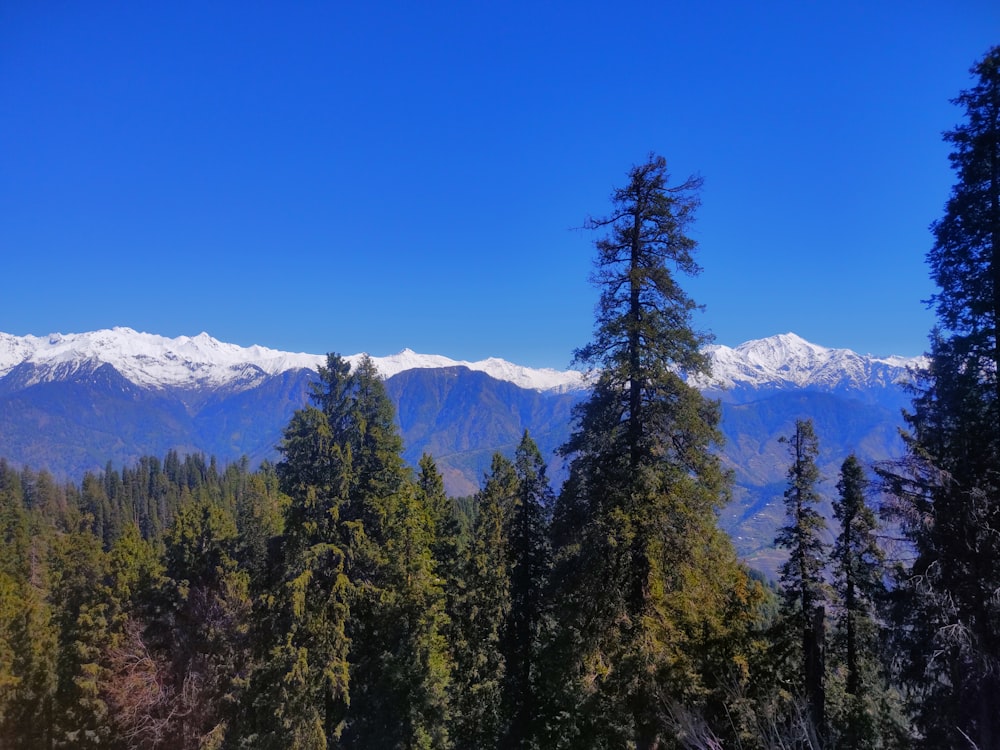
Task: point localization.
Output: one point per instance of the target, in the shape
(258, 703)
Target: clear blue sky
(372, 176)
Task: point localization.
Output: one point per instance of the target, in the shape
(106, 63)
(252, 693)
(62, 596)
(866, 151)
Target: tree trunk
(635, 344)
(815, 668)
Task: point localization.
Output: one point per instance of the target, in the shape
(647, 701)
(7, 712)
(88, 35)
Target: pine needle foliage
(947, 491)
(803, 585)
(642, 573)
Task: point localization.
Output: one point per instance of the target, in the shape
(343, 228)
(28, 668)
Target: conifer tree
(10, 606)
(83, 612)
(859, 571)
(28, 635)
(299, 694)
(357, 620)
(480, 667)
(802, 574)
(430, 485)
(528, 560)
(446, 552)
(500, 612)
(28, 719)
(208, 608)
(259, 511)
(399, 663)
(948, 491)
(413, 616)
(637, 579)
(132, 676)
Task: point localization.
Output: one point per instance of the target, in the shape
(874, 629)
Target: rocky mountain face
(72, 403)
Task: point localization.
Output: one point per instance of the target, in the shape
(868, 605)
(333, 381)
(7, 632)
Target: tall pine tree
(528, 559)
(859, 572)
(948, 493)
(399, 665)
(301, 690)
(641, 569)
(355, 629)
(480, 666)
(501, 612)
(802, 574)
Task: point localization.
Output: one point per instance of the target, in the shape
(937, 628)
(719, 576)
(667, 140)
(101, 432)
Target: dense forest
(340, 599)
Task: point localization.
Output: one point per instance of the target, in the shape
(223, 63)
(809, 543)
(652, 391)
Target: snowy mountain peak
(201, 361)
(147, 359)
(789, 360)
(544, 379)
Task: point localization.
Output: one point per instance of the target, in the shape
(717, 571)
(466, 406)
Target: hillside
(71, 403)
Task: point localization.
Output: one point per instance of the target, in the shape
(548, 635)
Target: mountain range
(72, 403)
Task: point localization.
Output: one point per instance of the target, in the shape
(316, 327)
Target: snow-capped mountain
(71, 403)
(536, 379)
(786, 360)
(146, 359)
(201, 361)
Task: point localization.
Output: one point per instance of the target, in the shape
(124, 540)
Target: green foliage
(28, 635)
(299, 691)
(337, 600)
(802, 575)
(947, 494)
(803, 587)
(354, 619)
(399, 666)
(642, 572)
(259, 515)
(500, 614)
(81, 599)
(31, 642)
(529, 561)
(480, 666)
(866, 712)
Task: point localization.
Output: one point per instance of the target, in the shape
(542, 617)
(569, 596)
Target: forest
(339, 598)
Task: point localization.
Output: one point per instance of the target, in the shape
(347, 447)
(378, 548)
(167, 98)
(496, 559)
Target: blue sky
(372, 176)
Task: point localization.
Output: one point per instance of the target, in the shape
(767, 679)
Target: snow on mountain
(545, 379)
(147, 359)
(202, 361)
(155, 361)
(787, 360)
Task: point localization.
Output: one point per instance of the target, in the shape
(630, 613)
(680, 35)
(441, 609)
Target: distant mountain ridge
(785, 360)
(789, 361)
(72, 403)
(204, 362)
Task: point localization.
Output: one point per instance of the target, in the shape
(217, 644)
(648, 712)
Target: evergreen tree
(398, 658)
(528, 560)
(859, 570)
(133, 679)
(259, 513)
(802, 574)
(642, 571)
(948, 491)
(480, 666)
(10, 607)
(31, 638)
(356, 620)
(96, 507)
(430, 485)
(500, 612)
(416, 664)
(299, 691)
(83, 610)
(448, 557)
(28, 635)
(204, 626)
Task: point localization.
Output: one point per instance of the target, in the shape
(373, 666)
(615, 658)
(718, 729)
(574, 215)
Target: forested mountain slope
(72, 403)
